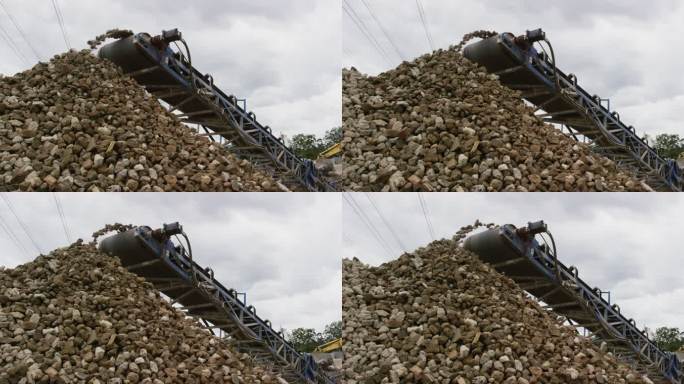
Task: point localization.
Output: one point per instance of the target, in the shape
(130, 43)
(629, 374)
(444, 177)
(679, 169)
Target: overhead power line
(351, 13)
(21, 32)
(17, 243)
(60, 20)
(423, 19)
(349, 199)
(21, 223)
(384, 31)
(429, 216)
(387, 224)
(13, 46)
(369, 223)
(62, 217)
(423, 207)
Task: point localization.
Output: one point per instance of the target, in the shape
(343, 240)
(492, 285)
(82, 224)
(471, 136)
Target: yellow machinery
(329, 162)
(330, 152)
(330, 346)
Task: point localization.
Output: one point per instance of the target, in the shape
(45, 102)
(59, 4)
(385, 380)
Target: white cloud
(283, 250)
(621, 50)
(284, 58)
(627, 244)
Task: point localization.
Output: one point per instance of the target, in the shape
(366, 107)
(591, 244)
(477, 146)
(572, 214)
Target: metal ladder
(520, 67)
(169, 267)
(170, 76)
(517, 253)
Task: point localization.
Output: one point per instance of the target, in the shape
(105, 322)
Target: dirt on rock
(442, 123)
(77, 316)
(440, 315)
(76, 123)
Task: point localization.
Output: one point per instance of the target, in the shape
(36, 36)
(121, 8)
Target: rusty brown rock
(440, 315)
(77, 316)
(445, 121)
(76, 123)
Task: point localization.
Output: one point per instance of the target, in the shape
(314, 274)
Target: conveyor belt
(170, 77)
(521, 67)
(533, 266)
(151, 254)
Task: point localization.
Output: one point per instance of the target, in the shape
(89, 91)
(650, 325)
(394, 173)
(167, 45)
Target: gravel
(442, 123)
(439, 315)
(77, 123)
(76, 316)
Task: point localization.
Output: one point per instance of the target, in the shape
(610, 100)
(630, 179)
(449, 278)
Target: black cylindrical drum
(491, 246)
(490, 54)
(127, 247)
(125, 54)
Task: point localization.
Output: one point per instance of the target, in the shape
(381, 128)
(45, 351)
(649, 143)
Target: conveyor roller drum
(531, 69)
(192, 96)
(125, 54)
(491, 246)
(533, 264)
(490, 54)
(152, 255)
(126, 246)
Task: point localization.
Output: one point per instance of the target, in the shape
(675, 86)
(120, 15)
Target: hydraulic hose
(555, 256)
(553, 60)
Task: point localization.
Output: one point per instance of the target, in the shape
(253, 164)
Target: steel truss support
(566, 103)
(570, 297)
(199, 101)
(196, 292)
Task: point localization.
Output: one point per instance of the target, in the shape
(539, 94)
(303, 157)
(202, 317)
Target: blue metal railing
(221, 115)
(585, 114)
(218, 307)
(534, 266)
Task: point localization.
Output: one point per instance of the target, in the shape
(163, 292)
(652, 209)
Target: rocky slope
(76, 316)
(439, 315)
(77, 124)
(442, 123)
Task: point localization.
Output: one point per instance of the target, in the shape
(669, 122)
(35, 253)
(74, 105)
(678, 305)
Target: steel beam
(523, 68)
(567, 295)
(204, 98)
(214, 305)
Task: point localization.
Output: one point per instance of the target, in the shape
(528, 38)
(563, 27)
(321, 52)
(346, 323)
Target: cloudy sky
(629, 244)
(625, 50)
(283, 250)
(284, 58)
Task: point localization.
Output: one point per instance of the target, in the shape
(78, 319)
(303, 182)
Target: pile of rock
(439, 315)
(77, 316)
(77, 123)
(115, 33)
(442, 123)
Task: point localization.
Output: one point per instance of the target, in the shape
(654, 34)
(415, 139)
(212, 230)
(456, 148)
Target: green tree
(309, 146)
(669, 145)
(306, 146)
(332, 331)
(332, 137)
(668, 339)
(305, 339)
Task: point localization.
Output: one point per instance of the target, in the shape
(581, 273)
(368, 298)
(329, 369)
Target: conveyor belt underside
(564, 301)
(170, 274)
(167, 78)
(572, 107)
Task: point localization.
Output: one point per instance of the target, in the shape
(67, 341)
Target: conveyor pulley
(152, 255)
(521, 67)
(523, 255)
(170, 76)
